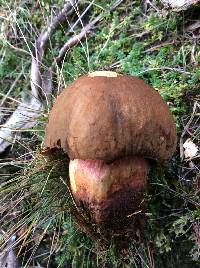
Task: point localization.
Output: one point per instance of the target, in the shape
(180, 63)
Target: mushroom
(111, 126)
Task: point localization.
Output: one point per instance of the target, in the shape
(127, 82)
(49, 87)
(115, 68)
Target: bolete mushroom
(110, 125)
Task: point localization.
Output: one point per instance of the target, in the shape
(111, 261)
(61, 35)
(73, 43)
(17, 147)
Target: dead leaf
(190, 149)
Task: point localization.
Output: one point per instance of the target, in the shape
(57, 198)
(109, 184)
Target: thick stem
(109, 192)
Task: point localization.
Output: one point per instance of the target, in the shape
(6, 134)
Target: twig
(115, 65)
(80, 17)
(141, 34)
(193, 27)
(178, 5)
(76, 39)
(179, 70)
(20, 50)
(153, 6)
(150, 254)
(152, 49)
(59, 19)
(196, 228)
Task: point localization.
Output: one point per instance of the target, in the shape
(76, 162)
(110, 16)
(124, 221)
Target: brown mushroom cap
(108, 116)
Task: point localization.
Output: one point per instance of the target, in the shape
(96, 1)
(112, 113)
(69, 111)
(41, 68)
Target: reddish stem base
(109, 193)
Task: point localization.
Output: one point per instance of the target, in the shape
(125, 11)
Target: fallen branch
(76, 39)
(27, 113)
(56, 21)
(178, 5)
(40, 46)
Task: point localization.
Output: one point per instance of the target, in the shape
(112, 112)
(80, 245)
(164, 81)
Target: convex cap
(105, 115)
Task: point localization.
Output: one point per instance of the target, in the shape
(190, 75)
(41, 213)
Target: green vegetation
(152, 43)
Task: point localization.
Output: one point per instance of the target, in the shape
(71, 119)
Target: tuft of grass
(38, 209)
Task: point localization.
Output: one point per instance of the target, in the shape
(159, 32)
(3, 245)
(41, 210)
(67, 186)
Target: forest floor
(140, 38)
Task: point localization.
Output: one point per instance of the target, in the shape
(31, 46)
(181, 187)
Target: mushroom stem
(109, 192)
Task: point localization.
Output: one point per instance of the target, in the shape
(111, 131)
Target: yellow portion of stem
(72, 171)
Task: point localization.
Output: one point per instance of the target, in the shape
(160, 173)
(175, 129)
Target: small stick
(179, 70)
(76, 39)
